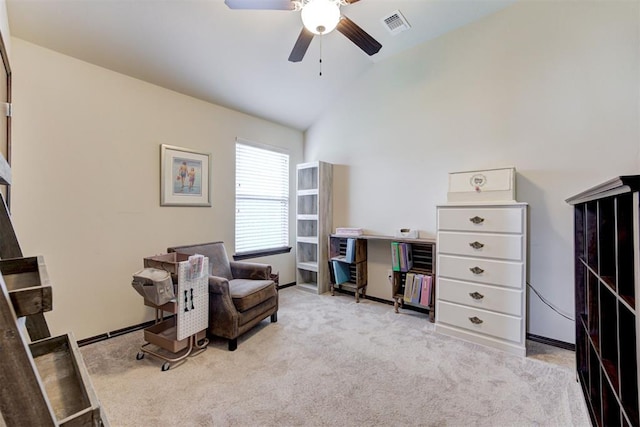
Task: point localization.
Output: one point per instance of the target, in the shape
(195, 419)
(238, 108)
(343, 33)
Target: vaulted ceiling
(233, 58)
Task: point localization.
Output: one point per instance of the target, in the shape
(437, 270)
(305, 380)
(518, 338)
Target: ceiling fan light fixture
(321, 16)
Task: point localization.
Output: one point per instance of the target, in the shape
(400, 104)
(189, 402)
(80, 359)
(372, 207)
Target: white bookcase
(314, 213)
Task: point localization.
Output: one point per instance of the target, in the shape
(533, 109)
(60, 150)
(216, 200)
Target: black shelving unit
(606, 221)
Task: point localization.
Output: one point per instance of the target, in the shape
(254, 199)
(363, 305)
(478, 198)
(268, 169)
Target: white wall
(86, 181)
(548, 87)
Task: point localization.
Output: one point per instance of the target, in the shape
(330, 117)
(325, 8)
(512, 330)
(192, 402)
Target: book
(395, 256)
(351, 250)
(417, 287)
(408, 287)
(332, 276)
(425, 296)
(409, 256)
(340, 272)
(406, 256)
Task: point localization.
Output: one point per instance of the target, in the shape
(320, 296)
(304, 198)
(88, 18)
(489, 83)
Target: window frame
(266, 251)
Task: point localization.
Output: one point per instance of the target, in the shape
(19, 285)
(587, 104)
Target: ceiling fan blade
(352, 1)
(300, 48)
(358, 36)
(260, 4)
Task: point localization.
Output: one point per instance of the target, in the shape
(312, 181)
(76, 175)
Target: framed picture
(184, 177)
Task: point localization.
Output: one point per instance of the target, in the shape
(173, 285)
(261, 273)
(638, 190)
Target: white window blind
(262, 198)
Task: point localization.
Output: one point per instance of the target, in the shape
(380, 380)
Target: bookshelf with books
(313, 224)
(348, 264)
(413, 274)
(607, 260)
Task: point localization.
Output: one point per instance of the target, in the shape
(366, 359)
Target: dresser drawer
(505, 246)
(480, 321)
(496, 220)
(504, 300)
(494, 272)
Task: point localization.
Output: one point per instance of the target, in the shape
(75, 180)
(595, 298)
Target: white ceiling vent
(395, 23)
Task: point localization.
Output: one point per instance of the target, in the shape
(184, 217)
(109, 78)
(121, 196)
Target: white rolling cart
(183, 334)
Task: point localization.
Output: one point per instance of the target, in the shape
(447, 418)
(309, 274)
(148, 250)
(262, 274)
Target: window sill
(261, 253)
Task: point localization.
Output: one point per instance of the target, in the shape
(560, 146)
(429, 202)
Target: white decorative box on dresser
(481, 273)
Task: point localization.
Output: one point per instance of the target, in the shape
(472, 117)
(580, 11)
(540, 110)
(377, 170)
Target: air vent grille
(395, 23)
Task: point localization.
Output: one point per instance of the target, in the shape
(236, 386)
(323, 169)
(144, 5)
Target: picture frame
(184, 177)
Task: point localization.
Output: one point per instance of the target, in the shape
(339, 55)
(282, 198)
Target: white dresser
(481, 273)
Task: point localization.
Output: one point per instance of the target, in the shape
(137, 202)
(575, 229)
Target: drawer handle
(476, 220)
(476, 245)
(476, 295)
(476, 270)
(475, 320)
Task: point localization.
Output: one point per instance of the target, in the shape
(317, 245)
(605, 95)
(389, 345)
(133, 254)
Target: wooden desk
(423, 250)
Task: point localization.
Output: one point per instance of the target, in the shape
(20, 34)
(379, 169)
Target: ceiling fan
(319, 17)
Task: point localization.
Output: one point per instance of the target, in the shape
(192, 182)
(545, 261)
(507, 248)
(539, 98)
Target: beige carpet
(330, 361)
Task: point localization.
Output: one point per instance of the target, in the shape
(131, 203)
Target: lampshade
(320, 16)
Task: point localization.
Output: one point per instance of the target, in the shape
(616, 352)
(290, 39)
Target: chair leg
(233, 344)
(274, 317)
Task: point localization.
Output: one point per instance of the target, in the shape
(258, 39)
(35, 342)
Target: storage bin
(164, 335)
(154, 285)
(66, 381)
(168, 262)
(482, 186)
(28, 285)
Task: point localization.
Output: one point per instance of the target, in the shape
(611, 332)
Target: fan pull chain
(320, 64)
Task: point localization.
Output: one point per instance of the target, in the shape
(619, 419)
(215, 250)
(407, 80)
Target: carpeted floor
(330, 361)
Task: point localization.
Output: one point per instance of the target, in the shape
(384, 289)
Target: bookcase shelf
(606, 243)
(357, 281)
(313, 224)
(423, 252)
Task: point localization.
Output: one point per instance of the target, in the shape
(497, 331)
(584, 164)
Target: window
(262, 199)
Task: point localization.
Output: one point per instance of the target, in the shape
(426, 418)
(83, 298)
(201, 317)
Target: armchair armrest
(223, 316)
(219, 286)
(250, 270)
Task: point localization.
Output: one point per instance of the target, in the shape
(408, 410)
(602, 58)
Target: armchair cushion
(248, 293)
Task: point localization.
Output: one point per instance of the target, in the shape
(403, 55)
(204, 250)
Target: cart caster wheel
(165, 366)
(140, 356)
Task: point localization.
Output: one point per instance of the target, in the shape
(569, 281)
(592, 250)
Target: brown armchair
(241, 294)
